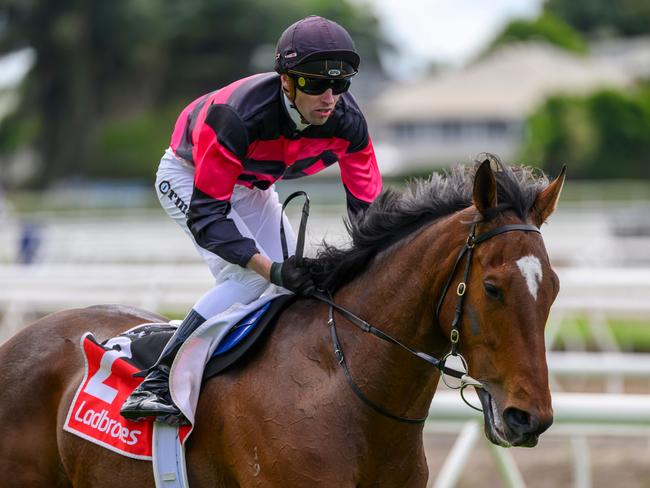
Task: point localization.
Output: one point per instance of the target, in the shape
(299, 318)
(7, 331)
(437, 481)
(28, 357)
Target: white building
(454, 115)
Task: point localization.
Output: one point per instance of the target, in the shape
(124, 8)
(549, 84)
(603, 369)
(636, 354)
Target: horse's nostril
(519, 421)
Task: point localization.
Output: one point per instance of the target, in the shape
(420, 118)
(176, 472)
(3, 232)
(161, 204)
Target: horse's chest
(398, 468)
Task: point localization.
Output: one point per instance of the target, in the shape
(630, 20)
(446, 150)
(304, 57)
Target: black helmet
(319, 46)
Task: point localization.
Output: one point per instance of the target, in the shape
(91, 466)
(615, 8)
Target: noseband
(467, 250)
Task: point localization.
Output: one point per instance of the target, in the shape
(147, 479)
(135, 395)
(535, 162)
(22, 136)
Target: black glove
(294, 277)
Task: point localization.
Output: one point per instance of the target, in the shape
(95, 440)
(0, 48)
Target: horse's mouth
(496, 429)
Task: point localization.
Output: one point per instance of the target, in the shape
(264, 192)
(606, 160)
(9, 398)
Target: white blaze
(531, 269)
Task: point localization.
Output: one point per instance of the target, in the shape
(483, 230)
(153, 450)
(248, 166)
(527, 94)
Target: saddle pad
(148, 340)
(240, 330)
(224, 358)
(108, 380)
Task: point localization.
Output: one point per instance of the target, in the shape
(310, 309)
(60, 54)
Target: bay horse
(287, 417)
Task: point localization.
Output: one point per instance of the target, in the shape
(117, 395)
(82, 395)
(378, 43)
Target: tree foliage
(545, 28)
(603, 17)
(103, 66)
(604, 135)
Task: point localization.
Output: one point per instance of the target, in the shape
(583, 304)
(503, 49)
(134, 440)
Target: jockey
(228, 149)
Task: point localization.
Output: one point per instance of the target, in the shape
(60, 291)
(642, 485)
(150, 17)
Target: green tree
(603, 17)
(91, 59)
(104, 67)
(546, 28)
(603, 135)
(210, 43)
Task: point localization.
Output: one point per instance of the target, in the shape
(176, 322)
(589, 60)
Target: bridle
(466, 251)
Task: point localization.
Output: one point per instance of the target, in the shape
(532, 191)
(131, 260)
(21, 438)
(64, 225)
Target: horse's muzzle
(513, 427)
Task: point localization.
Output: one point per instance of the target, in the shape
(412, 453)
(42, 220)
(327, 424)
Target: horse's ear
(547, 199)
(485, 188)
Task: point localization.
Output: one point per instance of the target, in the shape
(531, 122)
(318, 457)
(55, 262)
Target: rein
(468, 250)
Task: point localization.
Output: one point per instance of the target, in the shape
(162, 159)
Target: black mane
(395, 215)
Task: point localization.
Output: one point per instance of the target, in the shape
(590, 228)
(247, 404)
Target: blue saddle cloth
(249, 332)
(241, 330)
(148, 340)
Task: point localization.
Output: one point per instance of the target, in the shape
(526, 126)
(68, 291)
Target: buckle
(454, 336)
(460, 290)
(339, 355)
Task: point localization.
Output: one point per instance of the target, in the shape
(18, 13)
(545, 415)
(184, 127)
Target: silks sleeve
(359, 171)
(220, 145)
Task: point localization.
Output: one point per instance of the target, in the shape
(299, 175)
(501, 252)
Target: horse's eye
(492, 291)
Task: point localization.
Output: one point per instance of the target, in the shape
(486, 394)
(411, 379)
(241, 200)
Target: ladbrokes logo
(94, 413)
(103, 423)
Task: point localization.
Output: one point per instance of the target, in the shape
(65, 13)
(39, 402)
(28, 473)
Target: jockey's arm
(360, 173)
(261, 265)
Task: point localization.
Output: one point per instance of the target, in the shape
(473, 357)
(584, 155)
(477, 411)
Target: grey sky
(446, 31)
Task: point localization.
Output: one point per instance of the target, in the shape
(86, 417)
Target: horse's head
(510, 289)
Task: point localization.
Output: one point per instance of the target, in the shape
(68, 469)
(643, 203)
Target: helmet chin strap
(290, 92)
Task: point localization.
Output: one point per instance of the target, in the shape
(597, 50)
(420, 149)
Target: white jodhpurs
(256, 213)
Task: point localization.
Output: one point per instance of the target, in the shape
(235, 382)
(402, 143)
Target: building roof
(631, 54)
(507, 84)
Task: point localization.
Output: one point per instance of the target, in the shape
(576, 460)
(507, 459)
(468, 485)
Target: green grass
(631, 334)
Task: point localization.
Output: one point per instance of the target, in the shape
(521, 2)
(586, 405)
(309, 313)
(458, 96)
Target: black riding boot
(151, 398)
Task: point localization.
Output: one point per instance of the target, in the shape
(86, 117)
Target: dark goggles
(318, 86)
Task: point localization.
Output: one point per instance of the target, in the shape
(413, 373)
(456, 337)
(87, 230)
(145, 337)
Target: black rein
(467, 250)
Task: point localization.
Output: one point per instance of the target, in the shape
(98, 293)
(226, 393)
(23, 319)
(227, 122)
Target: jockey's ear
(288, 87)
(485, 188)
(547, 199)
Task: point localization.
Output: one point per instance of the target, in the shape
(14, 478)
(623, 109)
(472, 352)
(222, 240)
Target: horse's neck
(397, 294)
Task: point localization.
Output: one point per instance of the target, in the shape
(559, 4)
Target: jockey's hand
(294, 277)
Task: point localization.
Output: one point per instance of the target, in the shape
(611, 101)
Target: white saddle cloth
(187, 371)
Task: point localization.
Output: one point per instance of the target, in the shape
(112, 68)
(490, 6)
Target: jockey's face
(316, 109)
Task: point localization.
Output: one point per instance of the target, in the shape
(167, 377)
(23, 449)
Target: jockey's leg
(151, 397)
(256, 214)
(260, 211)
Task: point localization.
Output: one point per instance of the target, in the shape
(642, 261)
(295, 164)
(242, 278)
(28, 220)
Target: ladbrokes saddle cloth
(108, 380)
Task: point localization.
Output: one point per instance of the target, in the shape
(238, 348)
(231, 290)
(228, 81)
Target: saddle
(94, 413)
(148, 340)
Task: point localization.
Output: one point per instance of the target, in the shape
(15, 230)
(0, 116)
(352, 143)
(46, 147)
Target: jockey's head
(316, 59)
